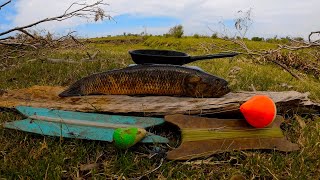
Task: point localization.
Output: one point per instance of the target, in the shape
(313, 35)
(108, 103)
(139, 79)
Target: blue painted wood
(143, 122)
(73, 131)
(55, 123)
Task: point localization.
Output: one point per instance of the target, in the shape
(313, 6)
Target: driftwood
(90, 58)
(47, 97)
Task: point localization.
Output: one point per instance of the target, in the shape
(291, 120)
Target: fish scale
(167, 80)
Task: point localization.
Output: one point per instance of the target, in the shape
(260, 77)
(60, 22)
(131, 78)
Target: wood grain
(47, 97)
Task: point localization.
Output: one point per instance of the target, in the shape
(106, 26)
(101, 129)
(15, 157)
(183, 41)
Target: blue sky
(126, 23)
(270, 17)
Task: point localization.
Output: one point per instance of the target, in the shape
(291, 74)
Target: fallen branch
(61, 61)
(27, 33)
(84, 12)
(287, 69)
(17, 44)
(89, 59)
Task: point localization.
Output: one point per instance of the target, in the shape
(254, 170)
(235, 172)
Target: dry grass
(28, 156)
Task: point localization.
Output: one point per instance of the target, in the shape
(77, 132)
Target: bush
(257, 39)
(214, 36)
(176, 31)
(196, 36)
(299, 39)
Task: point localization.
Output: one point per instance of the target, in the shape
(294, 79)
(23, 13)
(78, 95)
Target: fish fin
(193, 78)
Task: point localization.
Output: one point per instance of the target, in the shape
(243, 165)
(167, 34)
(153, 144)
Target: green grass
(28, 156)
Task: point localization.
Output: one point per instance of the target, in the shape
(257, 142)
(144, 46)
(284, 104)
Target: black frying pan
(170, 57)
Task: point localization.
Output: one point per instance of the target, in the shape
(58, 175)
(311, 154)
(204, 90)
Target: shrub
(214, 36)
(176, 31)
(196, 35)
(257, 39)
(298, 38)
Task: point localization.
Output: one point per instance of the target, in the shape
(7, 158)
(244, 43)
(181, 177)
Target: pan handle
(213, 56)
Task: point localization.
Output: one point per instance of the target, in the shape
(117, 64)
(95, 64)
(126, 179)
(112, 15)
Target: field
(28, 156)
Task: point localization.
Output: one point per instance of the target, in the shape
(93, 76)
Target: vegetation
(257, 39)
(214, 35)
(176, 31)
(28, 156)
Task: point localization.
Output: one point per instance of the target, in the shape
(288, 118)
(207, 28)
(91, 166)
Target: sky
(294, 18)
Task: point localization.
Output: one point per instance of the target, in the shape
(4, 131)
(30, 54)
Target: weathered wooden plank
(81, 125)
(47, 97)
(89, 119)
(73, 131)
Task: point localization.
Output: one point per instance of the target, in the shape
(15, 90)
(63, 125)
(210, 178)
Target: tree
(176, 31)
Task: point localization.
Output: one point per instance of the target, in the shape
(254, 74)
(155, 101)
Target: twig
(46, 174)
(149, 172)
(89, 56)
(53, 60)
(17, 44)
(274, 176)
(4, 4)
(75, 40)
(293, 48)
(61, 61)
(27, 33)
(5, 38)
(253, 88)
(65, 36)
(287, 69)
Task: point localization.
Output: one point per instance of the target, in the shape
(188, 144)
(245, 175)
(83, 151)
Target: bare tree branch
(68, 35)
(287, 69)
(80, 12)
(17, 44)
(5, 38)
(4, 4)
(27, 33)
(269, 54)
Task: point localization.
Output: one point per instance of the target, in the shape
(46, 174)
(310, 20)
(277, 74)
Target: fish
(152, 79)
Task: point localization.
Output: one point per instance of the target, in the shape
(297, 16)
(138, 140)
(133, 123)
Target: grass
(28, 156)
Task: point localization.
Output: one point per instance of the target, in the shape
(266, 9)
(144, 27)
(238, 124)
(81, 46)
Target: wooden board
(47, 97)
(217, 137)
(91, 126)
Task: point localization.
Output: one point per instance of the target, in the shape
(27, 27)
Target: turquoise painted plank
(143, 122)
(73, 131)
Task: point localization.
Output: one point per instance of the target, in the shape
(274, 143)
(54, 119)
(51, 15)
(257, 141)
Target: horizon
(269, 19)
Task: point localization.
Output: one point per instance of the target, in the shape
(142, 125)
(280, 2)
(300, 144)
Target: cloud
(29, 11)
(272, 17)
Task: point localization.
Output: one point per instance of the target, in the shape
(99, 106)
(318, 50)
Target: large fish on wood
(168, 80)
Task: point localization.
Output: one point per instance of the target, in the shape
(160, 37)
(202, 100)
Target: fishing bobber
(259, 111)
(126, 137)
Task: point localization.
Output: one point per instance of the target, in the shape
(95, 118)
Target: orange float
(259, 111)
